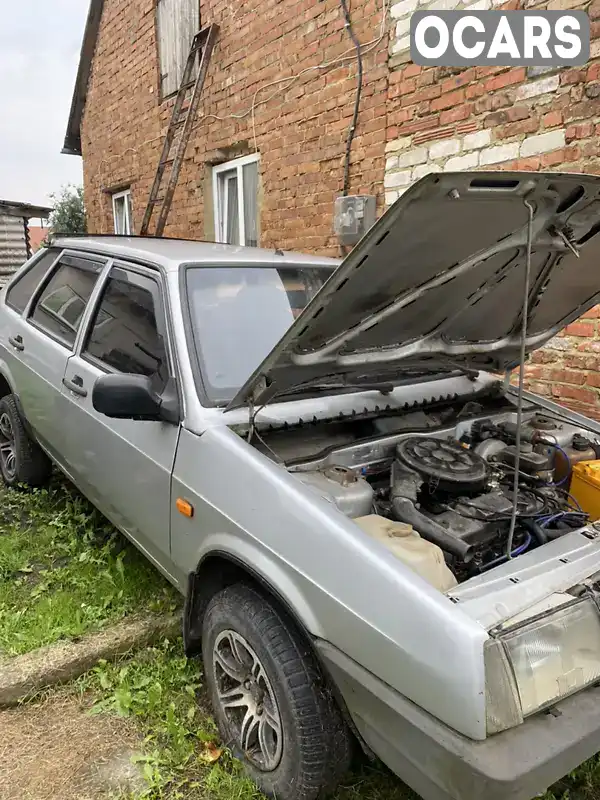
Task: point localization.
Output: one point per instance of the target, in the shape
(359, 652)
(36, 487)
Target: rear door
(124, 466)
(41, 341)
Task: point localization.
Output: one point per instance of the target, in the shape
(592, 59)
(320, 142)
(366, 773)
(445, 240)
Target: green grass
(65, 571)
(162, 691)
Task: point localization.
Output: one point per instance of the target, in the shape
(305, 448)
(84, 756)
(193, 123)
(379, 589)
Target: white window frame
(126, 196)
(220, 214)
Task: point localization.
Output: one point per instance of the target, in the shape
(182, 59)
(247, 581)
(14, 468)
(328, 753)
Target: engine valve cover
(443, 463)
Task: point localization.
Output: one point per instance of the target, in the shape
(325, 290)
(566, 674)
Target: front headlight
(537, 663)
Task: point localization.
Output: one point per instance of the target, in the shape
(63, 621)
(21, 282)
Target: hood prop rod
(524, 316)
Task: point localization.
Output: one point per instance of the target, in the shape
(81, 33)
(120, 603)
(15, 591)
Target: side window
(125, 333)
(22, 290)
(59, 308)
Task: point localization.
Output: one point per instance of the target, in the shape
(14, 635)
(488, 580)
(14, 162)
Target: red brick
(531, 163)
(553, 158)
(574, 393)
(593, 72)
(570, 76)
(506, 79)
(448, 100)
(580, 131)
(456, 81)
(580, 328)
(543, 357)
(456, 114)
(525, 126)
(571, 376)
(552, 119)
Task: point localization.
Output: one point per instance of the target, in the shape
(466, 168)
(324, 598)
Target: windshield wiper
(376, 386)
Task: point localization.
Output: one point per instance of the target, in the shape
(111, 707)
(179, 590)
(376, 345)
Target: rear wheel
(22, 461)
(272, 705)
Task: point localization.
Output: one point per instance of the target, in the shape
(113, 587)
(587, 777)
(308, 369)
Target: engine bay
(452, 484)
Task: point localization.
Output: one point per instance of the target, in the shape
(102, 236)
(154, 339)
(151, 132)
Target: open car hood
(437, 283)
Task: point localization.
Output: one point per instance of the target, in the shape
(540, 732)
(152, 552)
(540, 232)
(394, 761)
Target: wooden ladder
(179, 131)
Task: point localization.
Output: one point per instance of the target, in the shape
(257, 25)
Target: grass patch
(64, 570)
(160, 687)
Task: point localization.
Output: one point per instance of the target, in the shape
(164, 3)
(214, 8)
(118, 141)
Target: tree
(68, 216)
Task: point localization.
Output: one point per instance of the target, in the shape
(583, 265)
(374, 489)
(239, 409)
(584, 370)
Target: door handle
(17, 342)
(75, 385)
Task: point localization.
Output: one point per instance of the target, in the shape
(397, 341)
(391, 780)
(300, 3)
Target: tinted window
(125, 334)
(20, 292)
(59, 308)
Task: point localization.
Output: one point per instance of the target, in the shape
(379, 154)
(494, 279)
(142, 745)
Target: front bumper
(440, 764)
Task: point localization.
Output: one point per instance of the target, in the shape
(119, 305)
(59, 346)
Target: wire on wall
(357, 53)
(359, 85)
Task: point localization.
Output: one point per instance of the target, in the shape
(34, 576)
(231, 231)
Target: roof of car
(171, 253)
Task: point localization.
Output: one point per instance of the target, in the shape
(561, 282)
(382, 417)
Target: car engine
(459, 494)
(456, 491)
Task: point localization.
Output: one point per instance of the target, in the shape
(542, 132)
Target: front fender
(343, 587)
(269, 572)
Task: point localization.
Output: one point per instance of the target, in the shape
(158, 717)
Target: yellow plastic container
(585, 487)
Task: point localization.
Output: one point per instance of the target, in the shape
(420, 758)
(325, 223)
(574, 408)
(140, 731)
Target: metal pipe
(406, 511)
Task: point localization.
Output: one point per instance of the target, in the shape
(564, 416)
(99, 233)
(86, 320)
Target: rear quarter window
(60, 306)
(24, 287)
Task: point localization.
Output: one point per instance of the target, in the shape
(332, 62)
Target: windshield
(238, 314)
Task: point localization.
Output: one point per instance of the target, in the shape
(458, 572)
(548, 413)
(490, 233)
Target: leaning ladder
(179, 131)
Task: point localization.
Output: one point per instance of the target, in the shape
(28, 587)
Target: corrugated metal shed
(14, 235)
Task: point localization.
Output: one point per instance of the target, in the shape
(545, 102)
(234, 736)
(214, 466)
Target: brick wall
(445, 119)
(300, 133)
(412, 121)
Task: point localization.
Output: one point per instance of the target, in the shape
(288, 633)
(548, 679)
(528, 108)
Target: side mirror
(126, 396)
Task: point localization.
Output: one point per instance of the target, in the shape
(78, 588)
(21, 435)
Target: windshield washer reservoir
(348, 491)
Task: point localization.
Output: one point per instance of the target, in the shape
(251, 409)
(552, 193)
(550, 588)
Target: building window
(122, 213)
(235, 193)
(178, 21)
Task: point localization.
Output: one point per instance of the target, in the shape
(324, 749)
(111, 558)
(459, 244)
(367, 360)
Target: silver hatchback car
(372, 528)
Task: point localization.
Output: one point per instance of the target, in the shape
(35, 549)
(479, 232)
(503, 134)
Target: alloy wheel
(247, 700)
(7, 447)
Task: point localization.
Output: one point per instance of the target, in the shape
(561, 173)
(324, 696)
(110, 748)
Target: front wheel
(271, 703)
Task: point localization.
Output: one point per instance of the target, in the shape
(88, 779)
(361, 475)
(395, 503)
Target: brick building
(271, 134)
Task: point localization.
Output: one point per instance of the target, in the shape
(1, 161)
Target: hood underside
(438, 283)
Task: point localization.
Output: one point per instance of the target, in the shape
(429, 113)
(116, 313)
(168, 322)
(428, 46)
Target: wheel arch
(218, 570)
(6, 385)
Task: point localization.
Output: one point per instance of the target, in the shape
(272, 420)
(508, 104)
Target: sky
(40, 42)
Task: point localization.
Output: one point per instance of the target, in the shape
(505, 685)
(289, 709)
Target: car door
(124, 466)
(40, 342)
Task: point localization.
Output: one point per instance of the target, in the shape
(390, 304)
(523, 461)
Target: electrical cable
(290, 80)
(516, 552)
(570, 496)
(568, 463)
(524, 315)
(359, 85)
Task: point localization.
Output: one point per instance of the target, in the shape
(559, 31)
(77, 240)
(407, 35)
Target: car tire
(262, 678)
(22, 461)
